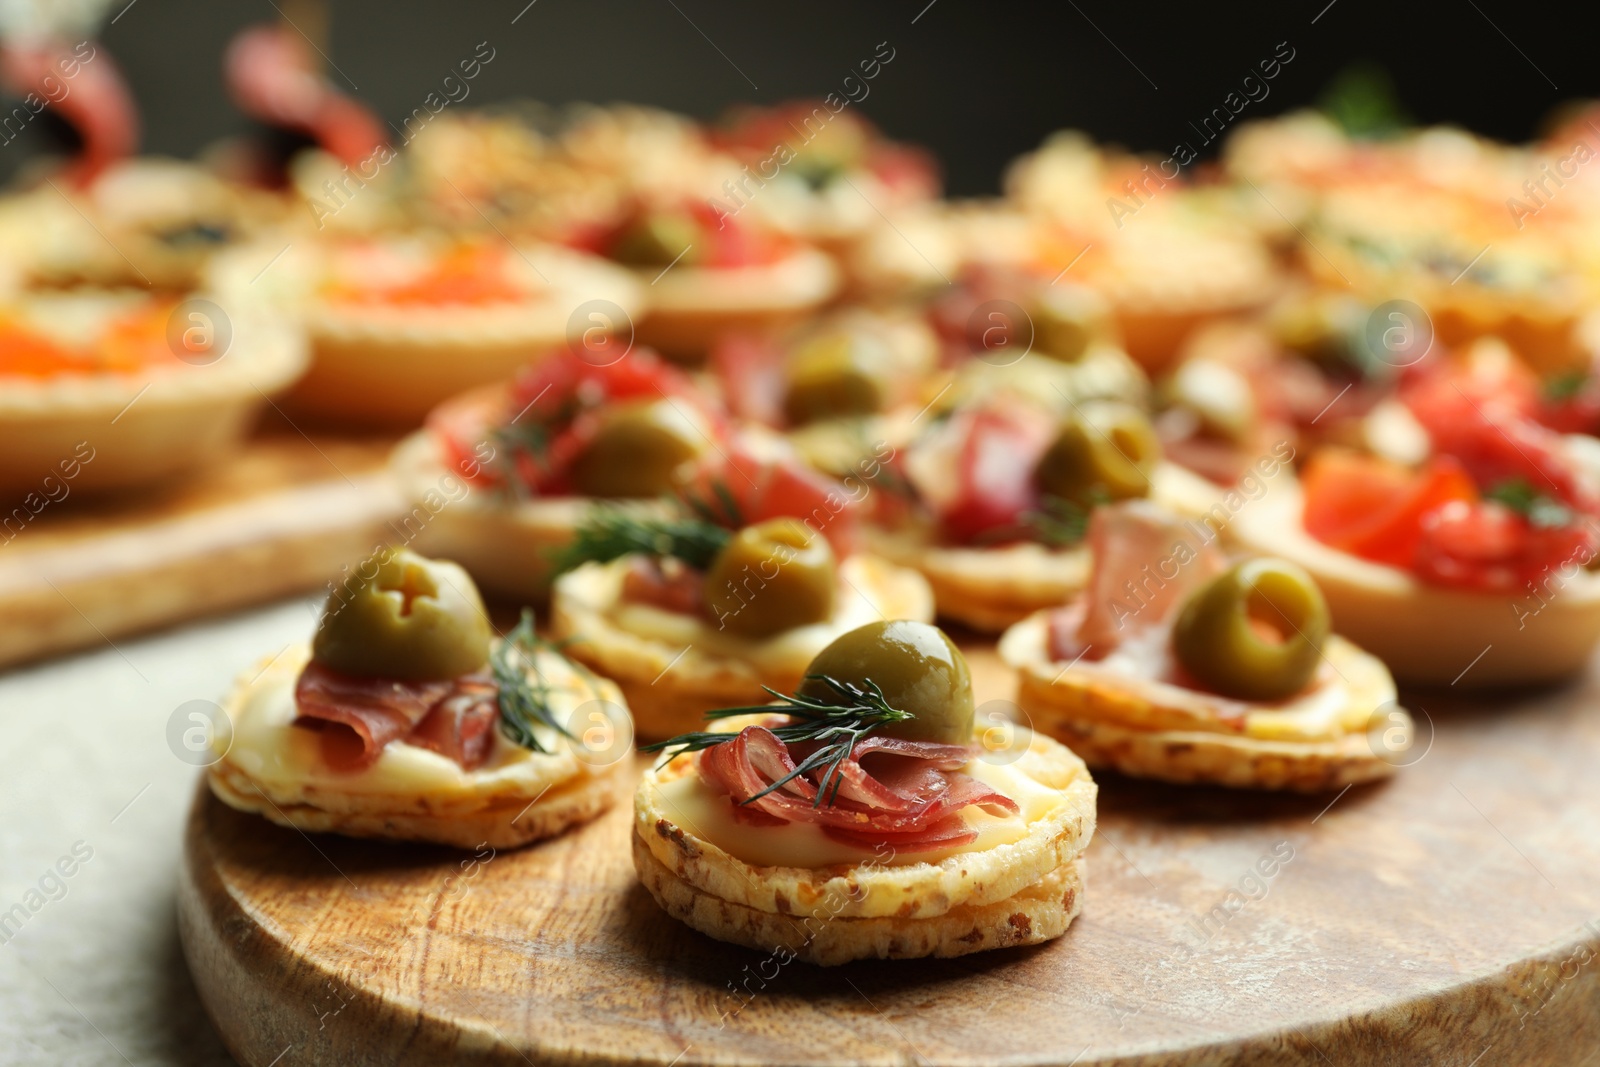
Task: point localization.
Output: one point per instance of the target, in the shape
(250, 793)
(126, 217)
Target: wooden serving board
(1449, 917)
(278, 518)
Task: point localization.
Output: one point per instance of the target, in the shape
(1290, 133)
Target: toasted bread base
(503, 822)
(1040, 912)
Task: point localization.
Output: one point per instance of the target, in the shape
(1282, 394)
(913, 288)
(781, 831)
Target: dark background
(978, 83)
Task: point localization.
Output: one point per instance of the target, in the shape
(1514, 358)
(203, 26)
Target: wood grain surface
(276, 519)
(1447, 918)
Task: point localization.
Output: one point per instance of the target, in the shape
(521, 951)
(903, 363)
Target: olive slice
(1254, 632)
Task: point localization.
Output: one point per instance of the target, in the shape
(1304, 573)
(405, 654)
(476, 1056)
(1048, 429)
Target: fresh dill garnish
(1538, 508)
(1566, 386)
(720, 509)
(858, 710)
(607, 534)
(524, 702)
(1060, 523)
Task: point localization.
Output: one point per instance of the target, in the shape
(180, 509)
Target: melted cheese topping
(866, 593)
(709, 816)
(266, 746)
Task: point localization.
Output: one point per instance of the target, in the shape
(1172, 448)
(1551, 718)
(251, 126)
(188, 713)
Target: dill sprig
(524, 703)
(608, 534)
(1058, 522)
(854, 712)
(720, 508)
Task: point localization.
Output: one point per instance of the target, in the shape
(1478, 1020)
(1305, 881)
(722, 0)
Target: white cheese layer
(709, 816)
(266, 746)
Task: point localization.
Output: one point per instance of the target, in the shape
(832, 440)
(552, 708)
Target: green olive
(1104, 450)
(656, 240)
(637, 450)
(404, 617)
(833, 376)
(1067, 319)
(771, 577)
(1222, 634)
(917, 667)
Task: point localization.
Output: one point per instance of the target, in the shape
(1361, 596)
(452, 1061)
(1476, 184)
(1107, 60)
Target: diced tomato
(1485, 418)
(773, 488)
(994, 472)
(1434, 523)
(1487, 546)
(1374, 509)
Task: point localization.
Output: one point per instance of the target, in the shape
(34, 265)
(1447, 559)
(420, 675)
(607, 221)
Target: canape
(113, 389)
(1173, 665)
(1472, 566)
(404, 718)
(1000, 490)
(861, 818)
(708, 273)
(143, 222)
(820, 171)
(838, 387)
(502, 477)
(687, 615)
(398, 325)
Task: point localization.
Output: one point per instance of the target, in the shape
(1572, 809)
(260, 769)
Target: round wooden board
(1448, 917)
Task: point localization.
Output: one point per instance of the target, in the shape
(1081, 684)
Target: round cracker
(504, 822)
(1040, 911)
(1130, 730)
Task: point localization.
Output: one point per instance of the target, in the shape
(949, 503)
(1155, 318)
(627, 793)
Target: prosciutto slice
(905, 794)
(358, 717)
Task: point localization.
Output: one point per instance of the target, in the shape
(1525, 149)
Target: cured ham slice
(358, 717)
(1146, 563)
(96, 101)
(273, 76)
(907, 794)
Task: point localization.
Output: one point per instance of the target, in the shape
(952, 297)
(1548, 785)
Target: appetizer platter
(772, 613)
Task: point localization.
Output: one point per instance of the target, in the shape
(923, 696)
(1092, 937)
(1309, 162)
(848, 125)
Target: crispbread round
(562, 790)
(499, 823)
(875, 890)
(1128, 729)
(670, 687)
(1040, 911)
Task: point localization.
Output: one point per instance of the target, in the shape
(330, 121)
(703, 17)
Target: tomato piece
(1373, 509)
(1489, 547)
(1486, 420)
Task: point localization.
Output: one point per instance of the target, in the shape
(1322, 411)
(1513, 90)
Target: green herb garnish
(1566, 386)
(861, 710)
(608, 534)
(1060, 523)
(720, 509)
(1538, 508)
(524, 703)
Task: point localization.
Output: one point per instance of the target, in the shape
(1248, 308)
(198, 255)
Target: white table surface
(97, 976)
